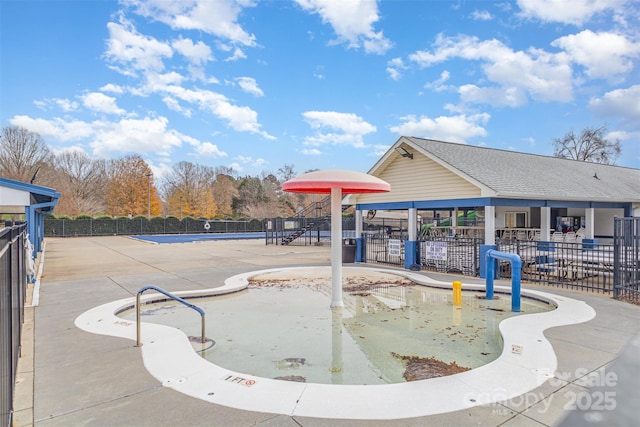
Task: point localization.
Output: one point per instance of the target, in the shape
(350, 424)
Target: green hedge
(106, 226)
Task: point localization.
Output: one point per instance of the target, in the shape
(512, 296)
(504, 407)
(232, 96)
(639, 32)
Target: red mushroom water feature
(336, 183)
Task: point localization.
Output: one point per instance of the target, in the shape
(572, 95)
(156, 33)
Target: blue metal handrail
(516, 266)
(173, 297)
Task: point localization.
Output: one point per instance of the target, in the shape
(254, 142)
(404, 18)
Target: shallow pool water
(287, 330)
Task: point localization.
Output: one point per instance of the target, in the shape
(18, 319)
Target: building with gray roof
(508, 190)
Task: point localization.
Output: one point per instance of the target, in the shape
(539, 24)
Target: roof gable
(512, 174)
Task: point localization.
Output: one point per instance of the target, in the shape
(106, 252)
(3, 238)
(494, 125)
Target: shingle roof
(522, 175)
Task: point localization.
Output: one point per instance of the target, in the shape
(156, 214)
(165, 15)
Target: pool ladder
(173, 297)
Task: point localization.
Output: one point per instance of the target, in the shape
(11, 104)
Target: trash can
(349, 250)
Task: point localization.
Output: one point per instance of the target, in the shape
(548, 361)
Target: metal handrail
(170, 295)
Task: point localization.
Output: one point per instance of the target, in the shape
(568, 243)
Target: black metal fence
(626, 269)
(441, 254)
(579, 266)
(460, 255)
(304, 231)
(381, 248)
(13, 287)
(589, 266)
(140, 225)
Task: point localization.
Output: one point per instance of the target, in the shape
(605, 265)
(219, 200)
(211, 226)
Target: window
(515, 219)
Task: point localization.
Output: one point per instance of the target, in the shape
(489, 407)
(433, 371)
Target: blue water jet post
(516, 267)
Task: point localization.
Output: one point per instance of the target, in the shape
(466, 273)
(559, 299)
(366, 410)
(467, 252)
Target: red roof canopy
(321, 182)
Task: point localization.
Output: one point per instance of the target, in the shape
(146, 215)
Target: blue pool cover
(204, 237)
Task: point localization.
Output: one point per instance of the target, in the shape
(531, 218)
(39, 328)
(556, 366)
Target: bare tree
(82, 182)
(590, 146)
(22, 154)
(286, 172)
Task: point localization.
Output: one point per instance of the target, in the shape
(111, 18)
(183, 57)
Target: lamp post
(148, 175)
(180, 208)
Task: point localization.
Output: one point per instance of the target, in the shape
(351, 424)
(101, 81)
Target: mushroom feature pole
(336, 247)
(336, 183)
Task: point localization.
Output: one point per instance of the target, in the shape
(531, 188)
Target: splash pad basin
(390, 330)
(526, 360)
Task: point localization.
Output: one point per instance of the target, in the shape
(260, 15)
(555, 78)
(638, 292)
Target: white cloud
(40, 104)
(239, 118)
(69, 149)
(216, 17)
(66, 105)
(207, 149)
(311, 152)
(110, 87)
(196, 53)
(250, 161)
(160, 170)
(439, 84)
(129, 49)
(379, 150)
(237, 55)
(147, 135)
(498, 97)
(174, 105)
(542, 75)
(352, 22)
(249, 85)
(622, 104)
(602, 54)
(575, 12)
(158, 82)
(395, 67)
(101, 103)
(236, 167)
(60, 129)
(111, 138)
(446, 128)
(341, 128)
(481, 15)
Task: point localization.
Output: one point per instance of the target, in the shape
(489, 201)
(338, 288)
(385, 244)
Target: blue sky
(319, 84)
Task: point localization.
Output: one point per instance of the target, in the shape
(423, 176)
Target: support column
(336, 247)
(411, 244)
(489, 225)
(545, 224)
(360, 254)
(489, 238)
(454, 222)
(589, 223)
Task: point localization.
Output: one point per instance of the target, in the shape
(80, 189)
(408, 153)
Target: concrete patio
(68, 377)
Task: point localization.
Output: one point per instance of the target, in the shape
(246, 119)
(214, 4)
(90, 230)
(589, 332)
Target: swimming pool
(527, 360)
(200, 237)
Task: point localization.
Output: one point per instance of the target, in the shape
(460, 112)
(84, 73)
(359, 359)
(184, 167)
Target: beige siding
(420, 179)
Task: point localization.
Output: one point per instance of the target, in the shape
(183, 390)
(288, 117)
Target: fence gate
(626, 259)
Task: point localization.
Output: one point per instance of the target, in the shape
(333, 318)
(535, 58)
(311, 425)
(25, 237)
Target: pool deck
(69, 377)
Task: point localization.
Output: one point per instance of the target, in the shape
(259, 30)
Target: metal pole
(336, 247)
(148, 196)
(138, 343)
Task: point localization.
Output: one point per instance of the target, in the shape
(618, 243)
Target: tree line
(127, 186)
